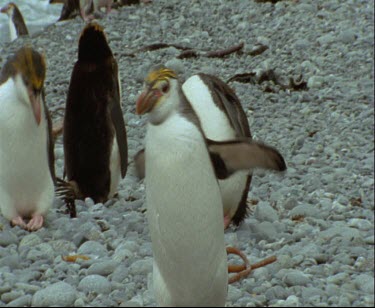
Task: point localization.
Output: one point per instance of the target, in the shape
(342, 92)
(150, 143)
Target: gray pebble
(276, 292)
(30, 240)
(305, 210)
(265, 231)
(59, 293)
(92, 248)
(264, 212)
(365, 283)
(296, 278)
(95, 283)
(102, 268)
(141, 267)
(22, 301)
(7, 238)
(10, 296)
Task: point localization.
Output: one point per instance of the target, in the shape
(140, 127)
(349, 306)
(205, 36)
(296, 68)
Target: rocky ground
(317, 218)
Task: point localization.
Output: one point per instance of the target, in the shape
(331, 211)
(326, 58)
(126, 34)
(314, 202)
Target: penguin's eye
(165, 87)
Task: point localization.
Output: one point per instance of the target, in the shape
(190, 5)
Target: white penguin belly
(185, 216)
(25, 176)
(216, 126)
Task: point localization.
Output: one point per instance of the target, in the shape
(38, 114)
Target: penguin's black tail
(68, 192)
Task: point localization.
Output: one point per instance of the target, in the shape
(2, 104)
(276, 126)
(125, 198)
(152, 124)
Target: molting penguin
(184, 204)
(17, 26)
(26, 146)
(222, 118)
(95, 144)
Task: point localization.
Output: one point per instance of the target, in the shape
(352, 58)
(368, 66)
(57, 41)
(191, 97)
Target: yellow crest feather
(160, 74)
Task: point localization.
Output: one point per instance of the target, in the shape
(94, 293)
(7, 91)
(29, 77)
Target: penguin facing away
(17, 26)
(222, 118)
(95, 143)
(26, 145)
(184, 204)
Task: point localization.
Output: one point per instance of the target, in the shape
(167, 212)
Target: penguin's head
(160, 95)
(28, 70)
(93, 46)
(8, 9)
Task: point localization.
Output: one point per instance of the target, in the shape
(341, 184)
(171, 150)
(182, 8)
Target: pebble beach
(317, 218)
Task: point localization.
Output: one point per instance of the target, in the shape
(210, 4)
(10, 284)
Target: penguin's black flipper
(50, 141)
(231, 156)
(67, 191)
(118, 121)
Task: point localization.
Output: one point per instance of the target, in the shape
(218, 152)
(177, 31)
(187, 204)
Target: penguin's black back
(88, 128)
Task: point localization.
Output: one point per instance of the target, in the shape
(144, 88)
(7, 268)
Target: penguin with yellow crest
(26, 145)
(184, 203)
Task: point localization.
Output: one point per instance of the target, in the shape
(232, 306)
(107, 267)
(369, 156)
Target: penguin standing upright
(222, 118)
(95, 144)
(17, 26)
(184, 204)
(26, 146)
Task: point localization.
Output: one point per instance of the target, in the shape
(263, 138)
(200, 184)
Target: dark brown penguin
(69, 10)
(95, 143)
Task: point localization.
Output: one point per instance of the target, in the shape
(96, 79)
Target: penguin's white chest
(12, 30)
(185, 216)
(25, 177)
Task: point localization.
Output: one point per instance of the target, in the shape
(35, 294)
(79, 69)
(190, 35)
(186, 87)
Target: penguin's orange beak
(147, 101)
(36, 105)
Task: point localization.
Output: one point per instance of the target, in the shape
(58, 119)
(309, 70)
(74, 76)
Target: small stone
(10, 296)
(7, 238)
(296, 278)
(141, 267)
(264, 231)
(315, 82)
(276, 292)
(290, 204)
(22, 301)
(102, 268)
(30, 240)
(233, 294)
(92, 248)
(365, 283)
(264, 212)
(95, 283)
(79, 302)
(57, 294)
(304, 210)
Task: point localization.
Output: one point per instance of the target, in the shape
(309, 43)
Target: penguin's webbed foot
(18, 221)
(35, 223)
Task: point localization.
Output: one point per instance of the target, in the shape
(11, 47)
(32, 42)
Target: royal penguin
(94, 133)
(184, 203)
(26, 146)
(222, 118)
(17, 26)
